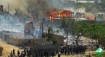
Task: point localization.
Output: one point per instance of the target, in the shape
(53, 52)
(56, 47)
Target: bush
(54, 40)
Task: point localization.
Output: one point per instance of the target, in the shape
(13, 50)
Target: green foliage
(96, 55)
(95, 30)
(57, 31)
(67, 24)
(54, 40)
(50, 30)
(51, 35)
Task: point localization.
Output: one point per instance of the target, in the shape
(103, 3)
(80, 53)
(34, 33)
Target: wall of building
(100, 17)
(17, 41)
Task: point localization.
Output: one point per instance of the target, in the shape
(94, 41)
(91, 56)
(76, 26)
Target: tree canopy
(92, 29)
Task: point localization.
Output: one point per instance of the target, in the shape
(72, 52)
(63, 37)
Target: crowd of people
(48, 51)
(67, 50)
(40, 51)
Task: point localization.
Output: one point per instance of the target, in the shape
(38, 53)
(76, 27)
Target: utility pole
(33, 37)
(42, 24)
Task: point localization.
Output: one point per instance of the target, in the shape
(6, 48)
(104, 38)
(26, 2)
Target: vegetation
(54, 40)
(102, 55)
(94, 30)
(67, 25)
(51, 35)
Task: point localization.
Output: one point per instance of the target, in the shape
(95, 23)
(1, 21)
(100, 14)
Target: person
(18, 52)
(90, 55)
(11, 55)
(13, 52)
(59, 54)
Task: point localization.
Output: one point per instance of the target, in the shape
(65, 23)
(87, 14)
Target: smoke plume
(26, 6)
(11, 5)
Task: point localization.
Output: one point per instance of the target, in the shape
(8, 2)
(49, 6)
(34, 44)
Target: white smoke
(11, 5)
(23, 5)
(36, 7)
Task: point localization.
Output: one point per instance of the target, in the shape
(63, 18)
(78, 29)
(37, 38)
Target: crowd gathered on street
(48, 51)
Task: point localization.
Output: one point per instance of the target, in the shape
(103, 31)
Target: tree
(54, 40)
(51, 35)
(67, 24)
(84, 28)
(78, 29)
(94, 30)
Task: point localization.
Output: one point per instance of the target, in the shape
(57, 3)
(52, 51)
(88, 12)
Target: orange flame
(59, 15)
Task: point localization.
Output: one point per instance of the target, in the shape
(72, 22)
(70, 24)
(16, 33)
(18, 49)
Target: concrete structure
(100, 17)
(18, 40)
(33, 30)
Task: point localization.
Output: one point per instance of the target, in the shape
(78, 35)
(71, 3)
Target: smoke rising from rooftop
(26, 6)
(14, 4)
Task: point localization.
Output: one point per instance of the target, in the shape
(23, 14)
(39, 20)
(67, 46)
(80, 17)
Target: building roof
(66, 12)
(51, 12)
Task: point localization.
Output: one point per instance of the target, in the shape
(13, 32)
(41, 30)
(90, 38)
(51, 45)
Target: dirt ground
(7, 48)
(79, 55)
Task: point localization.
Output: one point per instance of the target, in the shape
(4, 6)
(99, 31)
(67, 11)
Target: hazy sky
(22, 5)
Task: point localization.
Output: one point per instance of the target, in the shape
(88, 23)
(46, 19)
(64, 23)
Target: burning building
(53, 15)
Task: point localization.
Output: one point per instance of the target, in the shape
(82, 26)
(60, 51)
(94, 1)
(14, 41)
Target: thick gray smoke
(60, 3)
(20, 5)
(34, 6)
(38, 8)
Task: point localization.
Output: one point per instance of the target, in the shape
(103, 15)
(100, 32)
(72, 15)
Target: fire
(59, 15)
(52, 15)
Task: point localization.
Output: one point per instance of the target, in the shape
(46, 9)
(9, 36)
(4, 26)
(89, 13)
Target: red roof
(51, 13)
(66, 12)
